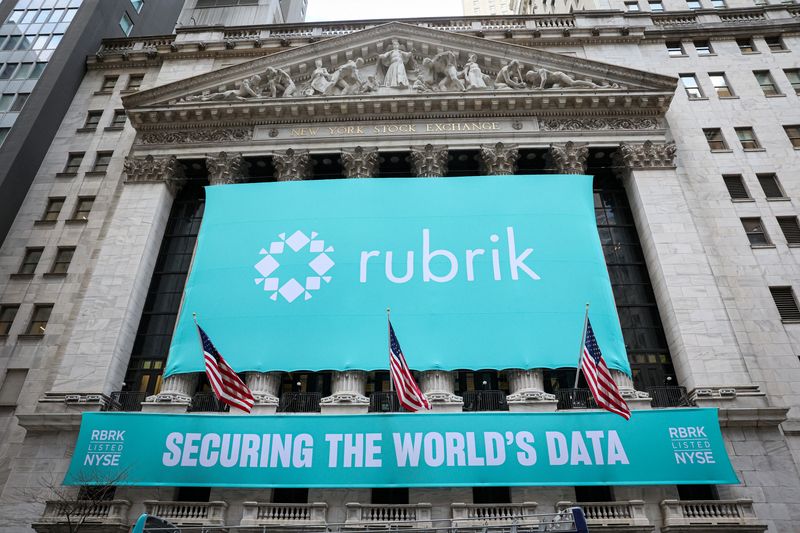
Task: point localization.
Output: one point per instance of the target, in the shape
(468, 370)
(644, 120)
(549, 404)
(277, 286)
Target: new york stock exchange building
(485, 178)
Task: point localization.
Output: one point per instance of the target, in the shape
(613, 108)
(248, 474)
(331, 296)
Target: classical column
(683, 280)
(347, 393)
(108, 315)
(360, 162)
(175, 395)
(292, 165)
(226, 169)
(439, 387)
(568, 158)
(499, 159)
(429, 161)
(527, 391)
(265, 387)
(635, 399)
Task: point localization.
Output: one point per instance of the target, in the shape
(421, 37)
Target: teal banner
(659, 447)
(477, 271)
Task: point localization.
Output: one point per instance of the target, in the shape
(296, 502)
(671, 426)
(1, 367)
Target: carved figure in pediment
(541, 78)
(249, 88)
(346, 78)
(474, 78)
(426, 78)
(392, 67)
(279, 83)
(321, 80)
(445, 65)
(510, 76)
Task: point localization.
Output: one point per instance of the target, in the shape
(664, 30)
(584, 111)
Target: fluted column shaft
(439, 387)
(527, 391)
(348, 390)
(265, 386)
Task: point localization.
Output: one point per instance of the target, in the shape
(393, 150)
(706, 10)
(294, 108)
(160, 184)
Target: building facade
(688, 120)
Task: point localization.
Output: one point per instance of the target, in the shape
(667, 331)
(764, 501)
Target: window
(119, 119)
(786, 304)
(19, 102)
(53, 209)
(389, 496)
(718, 4)
(631, 7)
(790, 228)
(793, 132)
(62, 260)
(38, 68)
(736, 187)
(594, 494)
(220, 3)
(135, 82)
(746, 45)
(771, 186)
(694, 4)
(108, 83)
(83, 207)
(126, 24)
(656, 6)
(7, 315)
(793, 74)
(8, 70)
(703, 47)
(73, 163)
(101, 161)
(39, 319)
(4, 134)
(290, 495)
(697, 492)
(53, 43)
(12, 42)
(675, 49)
(764, 79)
(92, 120)
(5, 101)
(756, 234)
(690, 84)
(491, 495)
(29, 261)
(720, 83)
(715, 139)
(137, 5)
(775, 43)
(748, 138)
(12, 385)
(24, 71)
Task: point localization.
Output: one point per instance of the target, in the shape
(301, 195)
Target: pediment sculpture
(396, 71)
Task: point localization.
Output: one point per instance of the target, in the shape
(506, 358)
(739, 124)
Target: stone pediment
(399, 68)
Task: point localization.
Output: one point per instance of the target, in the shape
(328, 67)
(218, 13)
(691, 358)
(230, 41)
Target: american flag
(228, 387)
(408, 393)
(602, 385)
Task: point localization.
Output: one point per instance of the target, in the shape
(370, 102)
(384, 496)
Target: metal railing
(669, 397)
(575, 399)
(207, 402)
(299, 402)
(485, 400)
(384, 402)
(126, 401)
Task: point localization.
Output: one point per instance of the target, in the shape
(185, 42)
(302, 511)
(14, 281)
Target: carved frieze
(226, 169)
(598, 124)
(360, 162)
(292, 165)
(149, 169)
(647, 155)
(568, 158)
(209, 135)
(499, 159)
(429, 160)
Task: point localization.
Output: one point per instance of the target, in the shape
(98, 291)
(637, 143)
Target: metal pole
(580, 351)
(389, 335)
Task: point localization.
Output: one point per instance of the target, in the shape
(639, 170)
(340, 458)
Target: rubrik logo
(292, 288)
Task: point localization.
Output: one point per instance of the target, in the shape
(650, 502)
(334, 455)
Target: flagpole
(583, 342)
(389, 336)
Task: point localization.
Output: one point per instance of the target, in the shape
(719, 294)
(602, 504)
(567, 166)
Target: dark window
(62, 260)
(736, 187)
(101, 161)
(755, 231)
(97, 493)
(715, 139)
(748, 138)
(73, 163)
(765, 81)
(697, 492)
(790, 228)
(39, 319)
(490, 495)
(53, 209)
(7, 315)
(8, 71)
(786, 303)
(19, 102)
(92, 119)
(135, 82)
(770, 185)
(83, 207)
(793, 75)
(703, 47)
(775, 43)
(109, 82)
(5, 101)
(290, 495)
(594, 494)
(675, 49)
(720, 83)
(390, 496)
(793, 132)
(12, 385)
(691, 86)
(119, 119)
(4, 134)
(193, 494)
(222, 3)
(12, 42)
(746, 45)
(24, 71)
(38, 68)
(30, 260)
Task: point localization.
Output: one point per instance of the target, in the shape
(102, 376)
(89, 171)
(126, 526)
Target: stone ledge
(791, 427)
(50, 421)
(752, 416)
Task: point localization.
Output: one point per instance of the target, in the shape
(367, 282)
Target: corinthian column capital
(292, 165)
(646, 155)
(568, 158)
(499, 159)
(150, 169)
(360, 162)
(226, 169)
(429, 161)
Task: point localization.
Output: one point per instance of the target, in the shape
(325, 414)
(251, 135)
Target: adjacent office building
(686, 114)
